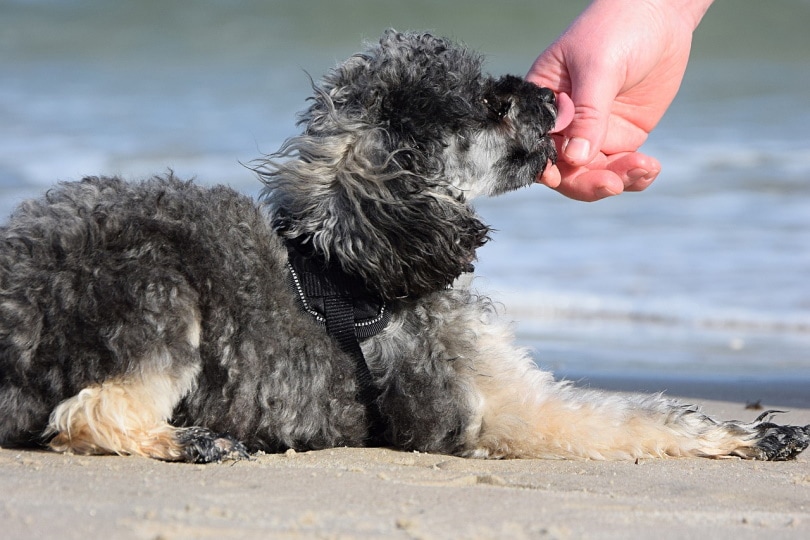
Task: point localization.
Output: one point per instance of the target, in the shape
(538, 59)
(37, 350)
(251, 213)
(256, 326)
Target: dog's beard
(489, 165)
(520, 169)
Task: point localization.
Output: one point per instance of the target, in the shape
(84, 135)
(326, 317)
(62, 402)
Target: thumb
(585, 135)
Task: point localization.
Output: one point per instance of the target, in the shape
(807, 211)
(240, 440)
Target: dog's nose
(547, 95)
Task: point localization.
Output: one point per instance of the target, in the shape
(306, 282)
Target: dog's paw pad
(204, 446)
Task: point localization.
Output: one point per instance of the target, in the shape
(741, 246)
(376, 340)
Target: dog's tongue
(565, 112)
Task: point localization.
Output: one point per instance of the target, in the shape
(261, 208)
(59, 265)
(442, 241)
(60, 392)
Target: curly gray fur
(101, 271)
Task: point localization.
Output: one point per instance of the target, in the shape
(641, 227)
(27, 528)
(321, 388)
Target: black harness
(346, 308)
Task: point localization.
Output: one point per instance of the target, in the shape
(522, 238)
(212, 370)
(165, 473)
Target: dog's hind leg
(126, 415)
(129, 414)
(523, 412)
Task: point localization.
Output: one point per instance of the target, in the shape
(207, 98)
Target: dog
(164, 319)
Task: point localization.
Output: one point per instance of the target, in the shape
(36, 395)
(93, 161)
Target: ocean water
(704, 275)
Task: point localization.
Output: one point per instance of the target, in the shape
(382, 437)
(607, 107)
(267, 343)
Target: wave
(684, 313)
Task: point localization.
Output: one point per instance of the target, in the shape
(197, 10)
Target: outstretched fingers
(605, 176)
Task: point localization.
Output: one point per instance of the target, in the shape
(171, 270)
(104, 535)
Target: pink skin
(615, 72)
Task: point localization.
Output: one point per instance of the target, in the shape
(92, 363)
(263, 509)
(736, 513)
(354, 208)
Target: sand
(382, 493)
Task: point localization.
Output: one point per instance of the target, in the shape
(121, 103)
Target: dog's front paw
(202, 445)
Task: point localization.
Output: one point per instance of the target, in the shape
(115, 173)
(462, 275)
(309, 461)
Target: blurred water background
(704, 276)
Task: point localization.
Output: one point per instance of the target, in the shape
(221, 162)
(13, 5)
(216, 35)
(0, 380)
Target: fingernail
(577, 149)
(604, 193)
(637, 174)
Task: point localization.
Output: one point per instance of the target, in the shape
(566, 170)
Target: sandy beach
(376, 493)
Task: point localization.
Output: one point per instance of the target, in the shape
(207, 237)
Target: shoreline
(347, 493)
(768, 391)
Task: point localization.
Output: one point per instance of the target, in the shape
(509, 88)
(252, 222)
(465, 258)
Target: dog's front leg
(523, 413)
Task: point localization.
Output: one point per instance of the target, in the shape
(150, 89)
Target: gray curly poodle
(169, 320)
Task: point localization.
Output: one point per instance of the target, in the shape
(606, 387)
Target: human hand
(615, 72)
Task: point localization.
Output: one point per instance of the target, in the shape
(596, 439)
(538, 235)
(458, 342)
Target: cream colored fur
(523, 412)
(127, 415)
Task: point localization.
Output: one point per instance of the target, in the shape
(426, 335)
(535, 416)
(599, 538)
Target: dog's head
(396, 140)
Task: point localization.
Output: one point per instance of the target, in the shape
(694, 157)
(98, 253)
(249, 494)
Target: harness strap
(350, 314)
(339, 312)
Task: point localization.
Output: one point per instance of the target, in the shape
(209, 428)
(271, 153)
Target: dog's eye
(497, 108)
